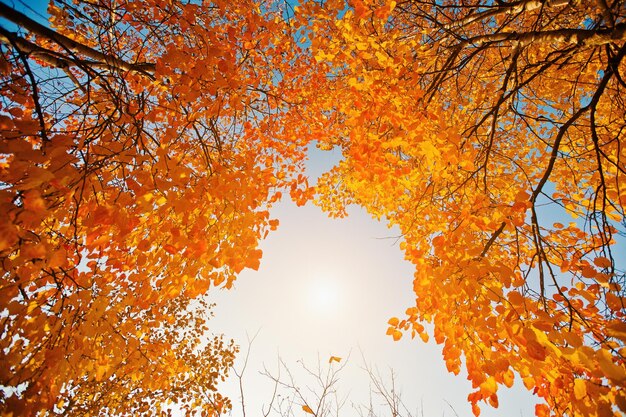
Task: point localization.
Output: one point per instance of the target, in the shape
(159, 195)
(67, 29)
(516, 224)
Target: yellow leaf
(580, 389)
(101, 371)
(508, 378)
(307, 409)
(609, 368)
(489, 386)
(335, 359)
(32, 306)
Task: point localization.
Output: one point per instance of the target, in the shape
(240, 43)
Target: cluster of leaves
(139, 155)
(469, 127)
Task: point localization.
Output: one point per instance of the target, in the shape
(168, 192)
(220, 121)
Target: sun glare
(323, 295)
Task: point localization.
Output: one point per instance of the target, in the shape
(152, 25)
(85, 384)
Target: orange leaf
(57, 258)
(535, 350)
(602, 262)
(307, 409)
(589, 272)
(170, 249)
(254, 259)
(397, 335)
(542, 410)
(617, 329)
(515, 298)
(144, 245)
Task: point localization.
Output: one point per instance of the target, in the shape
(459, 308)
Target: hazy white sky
(327, 287)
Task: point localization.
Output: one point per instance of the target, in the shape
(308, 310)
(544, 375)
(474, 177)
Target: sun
(323, 294)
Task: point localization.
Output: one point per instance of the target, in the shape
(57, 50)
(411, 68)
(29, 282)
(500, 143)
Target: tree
(473, 127)
(143, 143)
(139, 155)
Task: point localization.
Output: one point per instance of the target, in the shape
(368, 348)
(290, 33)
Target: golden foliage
(470, 128)
(139, 156)
(142, 146)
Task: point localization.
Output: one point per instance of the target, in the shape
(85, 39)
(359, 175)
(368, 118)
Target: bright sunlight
(323, 294)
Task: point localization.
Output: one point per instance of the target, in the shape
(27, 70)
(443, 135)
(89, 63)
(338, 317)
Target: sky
(326, 287)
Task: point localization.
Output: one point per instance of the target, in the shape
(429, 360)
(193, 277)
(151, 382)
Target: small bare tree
(317, 390)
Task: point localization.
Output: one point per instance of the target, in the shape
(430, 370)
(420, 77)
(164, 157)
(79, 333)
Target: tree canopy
(143, 143)
(472, 126)
(140, 153)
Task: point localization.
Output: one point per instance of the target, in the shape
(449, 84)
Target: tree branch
(492, 239)
(511, 8)
(576, 36)
(111, 62)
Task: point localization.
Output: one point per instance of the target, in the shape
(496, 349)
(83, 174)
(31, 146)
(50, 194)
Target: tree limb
(111, 62)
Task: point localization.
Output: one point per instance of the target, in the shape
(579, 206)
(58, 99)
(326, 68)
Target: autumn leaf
(617, 329)
(602, 262)
(334, 359)
(171, 249)
(490, 386)
(580, 389)
(307, 409)
(273, 224)
(393, 321)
